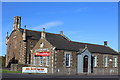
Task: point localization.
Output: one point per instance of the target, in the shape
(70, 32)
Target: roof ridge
(31, 30)
(41, 31)
(88, 43)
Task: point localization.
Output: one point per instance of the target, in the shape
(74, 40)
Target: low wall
(17, 67)
(105, 71)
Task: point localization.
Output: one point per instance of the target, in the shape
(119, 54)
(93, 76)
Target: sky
(89, 22)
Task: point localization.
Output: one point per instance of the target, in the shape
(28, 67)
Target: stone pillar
(24, 55)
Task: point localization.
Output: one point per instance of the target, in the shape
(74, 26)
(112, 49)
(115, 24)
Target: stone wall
(60, 67)
(17, 67)
(105, 71)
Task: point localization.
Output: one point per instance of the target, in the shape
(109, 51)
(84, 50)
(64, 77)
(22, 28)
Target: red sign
(42, 54)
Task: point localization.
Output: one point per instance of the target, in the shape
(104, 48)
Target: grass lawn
(8, 71)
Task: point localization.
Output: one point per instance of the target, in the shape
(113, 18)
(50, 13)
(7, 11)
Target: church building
(50, 53)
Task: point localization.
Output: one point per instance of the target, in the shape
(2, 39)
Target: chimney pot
(43, 33)
(61, 32)
(43, 29)
(105, 43)
(25, 26)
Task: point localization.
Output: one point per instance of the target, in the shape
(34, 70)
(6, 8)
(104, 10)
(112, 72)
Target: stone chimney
(17, 22)
(24, 33)
(105, 43)
(43, 33)
(61, 33)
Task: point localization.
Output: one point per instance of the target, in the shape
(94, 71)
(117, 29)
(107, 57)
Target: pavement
(20, 76)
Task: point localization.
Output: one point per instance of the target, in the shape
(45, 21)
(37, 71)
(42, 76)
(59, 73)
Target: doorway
(85, 63)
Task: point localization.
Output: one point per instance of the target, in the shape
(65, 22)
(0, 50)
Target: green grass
(8, 71)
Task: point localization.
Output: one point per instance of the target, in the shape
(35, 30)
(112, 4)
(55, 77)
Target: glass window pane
(41, 60)
(47, 60)
(67, 60)
(34, 60)
(114, 61)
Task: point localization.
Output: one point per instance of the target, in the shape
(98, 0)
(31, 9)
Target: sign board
(42, 50)
(42, 54)
(34, 70)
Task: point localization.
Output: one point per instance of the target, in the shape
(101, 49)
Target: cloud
(49, 25)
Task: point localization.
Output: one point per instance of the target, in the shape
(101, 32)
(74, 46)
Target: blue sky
(90, 22)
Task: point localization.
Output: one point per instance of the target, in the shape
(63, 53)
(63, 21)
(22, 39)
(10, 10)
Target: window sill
(67, 66)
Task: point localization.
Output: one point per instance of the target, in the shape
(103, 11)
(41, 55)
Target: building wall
(57, 61)
(100, 69)
(60, 62)
(57, 57)
(30, 45)
(14, 47)
(119, 64)
(50, 48)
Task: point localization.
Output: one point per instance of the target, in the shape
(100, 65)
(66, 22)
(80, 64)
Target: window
(114, 61)
(41, 60)
(31, 44)
(94, 61)
(67, 60)
(42, 45)
(105, 61)
(35, 60)
(47, 60)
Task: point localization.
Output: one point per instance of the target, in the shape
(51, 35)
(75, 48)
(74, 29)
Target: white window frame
(35, 63)
(95, 61)
(69, 62)
(41, 60)
(47, 60)
(114, 61)
(105, 61)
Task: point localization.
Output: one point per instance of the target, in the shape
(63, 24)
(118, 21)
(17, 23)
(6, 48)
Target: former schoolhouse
(52, 53)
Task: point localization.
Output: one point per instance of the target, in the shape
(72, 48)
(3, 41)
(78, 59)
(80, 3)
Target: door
(85, 64)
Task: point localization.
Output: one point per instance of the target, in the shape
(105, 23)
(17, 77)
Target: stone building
(57, 54)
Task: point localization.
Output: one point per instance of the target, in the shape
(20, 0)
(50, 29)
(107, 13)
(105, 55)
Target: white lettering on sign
(34, 70)
(41, 50)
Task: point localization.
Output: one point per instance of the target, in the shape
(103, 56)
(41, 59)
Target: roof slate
(60, 42)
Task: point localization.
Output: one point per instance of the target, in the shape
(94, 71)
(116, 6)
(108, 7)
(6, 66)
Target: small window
(47, 60)
(31, 44)
(105, 61)
(42, 45)
(67, 60)
(114, 61)
(41, 60)
(94, 61)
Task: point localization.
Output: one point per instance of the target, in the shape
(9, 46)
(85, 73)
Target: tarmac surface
(20, 76)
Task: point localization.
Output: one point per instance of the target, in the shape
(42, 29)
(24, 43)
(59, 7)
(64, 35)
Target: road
(19, 76)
